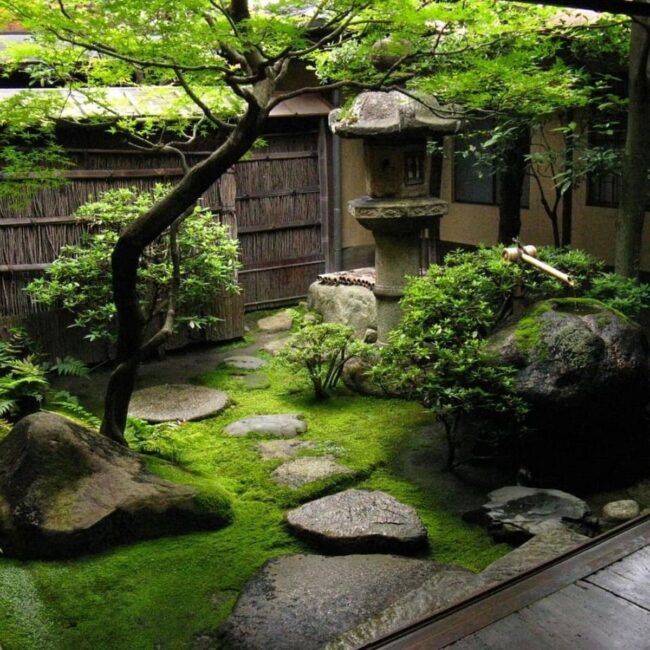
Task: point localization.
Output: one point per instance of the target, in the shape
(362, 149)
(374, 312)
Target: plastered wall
(593, 227)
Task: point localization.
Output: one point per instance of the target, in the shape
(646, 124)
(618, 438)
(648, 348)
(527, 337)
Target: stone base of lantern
(396, 225)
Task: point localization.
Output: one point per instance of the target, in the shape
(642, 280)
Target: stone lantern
(399, 209)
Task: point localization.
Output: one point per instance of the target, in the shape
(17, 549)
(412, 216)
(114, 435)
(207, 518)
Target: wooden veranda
(596, 597)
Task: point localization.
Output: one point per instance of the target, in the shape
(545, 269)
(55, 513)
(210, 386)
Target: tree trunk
(636, 158)
(126, 256)
(511, 184)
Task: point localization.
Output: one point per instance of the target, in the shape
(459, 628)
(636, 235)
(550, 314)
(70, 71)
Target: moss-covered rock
(583, 369)
(67, 490)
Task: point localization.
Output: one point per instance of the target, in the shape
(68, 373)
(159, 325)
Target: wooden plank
(581, 616)
(280, 226)
(281, 265)
(267, 195)
(27, 221)
(22, 268)
(497, 602)
(87, 174)
(628, 578)
(289, 155)
(276, 301)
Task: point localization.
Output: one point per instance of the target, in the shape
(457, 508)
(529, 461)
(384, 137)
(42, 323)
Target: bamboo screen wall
(281, 207)
(31, 236)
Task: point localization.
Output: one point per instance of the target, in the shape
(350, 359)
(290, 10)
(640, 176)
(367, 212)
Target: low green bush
(320, 350)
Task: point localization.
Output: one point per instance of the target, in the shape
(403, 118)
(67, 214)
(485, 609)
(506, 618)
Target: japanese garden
(324, 324)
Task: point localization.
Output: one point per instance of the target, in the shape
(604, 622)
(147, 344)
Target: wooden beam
(277, 193)
(306, 223)
(624, 7)
(13, 222)
(22, 268)
(160, 172)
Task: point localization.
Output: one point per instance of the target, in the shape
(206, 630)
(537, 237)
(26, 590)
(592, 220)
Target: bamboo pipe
(528, 254)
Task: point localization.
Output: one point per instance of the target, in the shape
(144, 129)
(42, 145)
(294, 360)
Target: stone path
(244, 362)
(359, 521)
(254, 380)
(285, 425)
(176, 402)
(304, 601)
(282, 449)
(281, 322)
(301, 471)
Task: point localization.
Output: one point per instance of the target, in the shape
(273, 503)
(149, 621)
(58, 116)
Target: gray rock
(66, 490)
(304, 601)
(244, 362)
(349, 305)
(311, 318)
(389, 113)
(276, 323)
(540, 549)
(273, 347)
(282, 449)
(447, 586)
(370, 336)
(285, 425)
(358, 521)
(516, 513)
(301, 471)
(355, 376)
(255, 381)
(583, 370)
(616, 512)
(176, 402)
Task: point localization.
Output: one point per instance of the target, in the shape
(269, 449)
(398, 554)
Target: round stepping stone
(301, 471)
(273, 347)
(277, 323)
(176, 402)
(516, 513)
(286, 425)
(305, 601)
(255, 381)
(244, 362)
(359, 521)
(282, 449)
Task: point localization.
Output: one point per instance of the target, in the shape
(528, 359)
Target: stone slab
(516, 513)
(304, 601)
(176, 402)
(284, 425)
(277, 323)
(302, 471)
(359, 521)
(282, 449)
(273, 347)
(244, 362)
(255, 381)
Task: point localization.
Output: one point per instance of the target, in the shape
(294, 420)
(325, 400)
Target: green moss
(162, 593)
(528, 334)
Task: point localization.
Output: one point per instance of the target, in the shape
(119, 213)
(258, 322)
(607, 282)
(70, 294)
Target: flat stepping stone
(359, 521)
(301, 471)
(255, 381)
(285, 425)
(277, 323)
(305, 601)
(244, 362)
(274, 347)
(176, 402)
(282, 449)
(516, 513)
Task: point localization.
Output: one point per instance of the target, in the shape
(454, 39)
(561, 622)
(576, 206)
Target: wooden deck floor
(594, 598)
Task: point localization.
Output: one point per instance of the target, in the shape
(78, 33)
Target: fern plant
(25, 376)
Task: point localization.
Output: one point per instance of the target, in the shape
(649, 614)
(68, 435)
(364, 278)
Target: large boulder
(304, 601)
(65, 490)
(354, 306)
(583, 370)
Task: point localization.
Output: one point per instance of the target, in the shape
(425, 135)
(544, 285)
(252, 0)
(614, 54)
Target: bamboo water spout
(528, 254)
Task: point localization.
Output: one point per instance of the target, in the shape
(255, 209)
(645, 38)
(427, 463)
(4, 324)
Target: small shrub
(321, 350)
(626, 295)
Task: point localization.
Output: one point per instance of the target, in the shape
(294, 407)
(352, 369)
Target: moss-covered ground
(164, 593)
